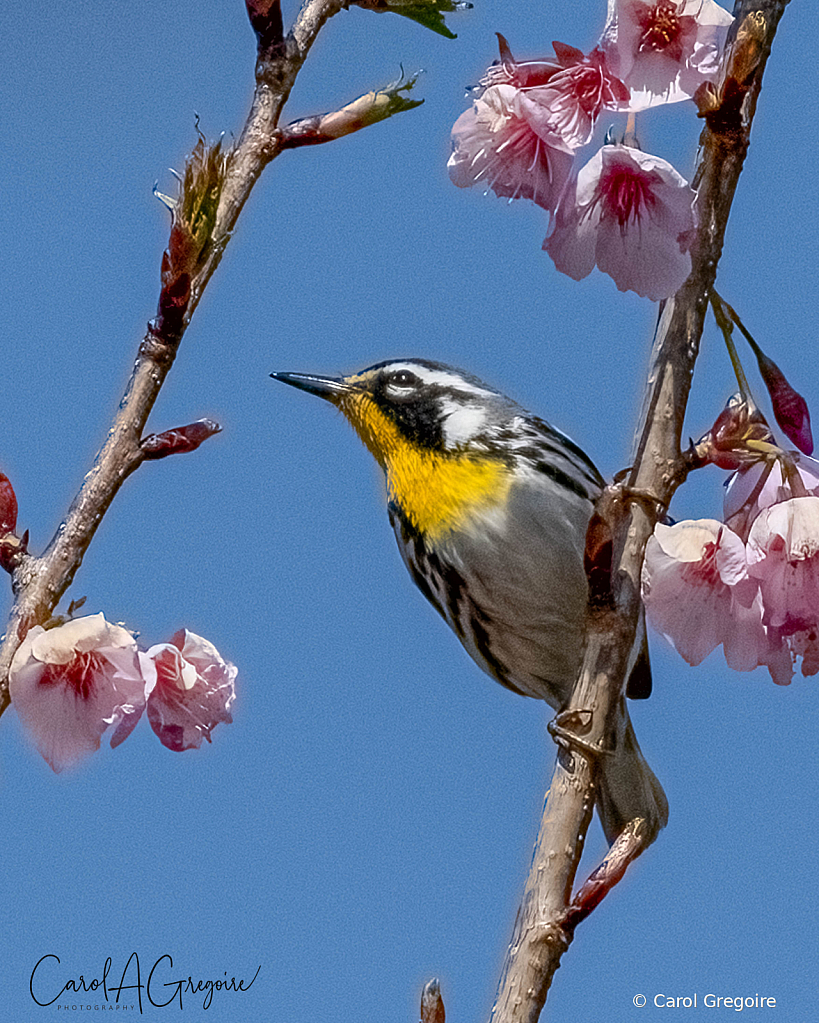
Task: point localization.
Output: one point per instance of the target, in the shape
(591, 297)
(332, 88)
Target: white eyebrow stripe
(449, 379)
(439, 376)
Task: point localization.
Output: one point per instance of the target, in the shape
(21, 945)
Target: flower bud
(736, 437)
(374, 106)
(179, 441)
(789, 407)
(191, 240)
(8, 506)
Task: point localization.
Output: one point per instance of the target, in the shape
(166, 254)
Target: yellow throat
(436, 491)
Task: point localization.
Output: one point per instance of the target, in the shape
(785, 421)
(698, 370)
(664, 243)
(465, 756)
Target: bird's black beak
(331, 388)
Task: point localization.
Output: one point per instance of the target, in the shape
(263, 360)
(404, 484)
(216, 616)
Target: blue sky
(367, 820)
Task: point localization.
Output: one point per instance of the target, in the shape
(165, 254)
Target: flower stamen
(79, 674)
(661, 30)
(625, 192)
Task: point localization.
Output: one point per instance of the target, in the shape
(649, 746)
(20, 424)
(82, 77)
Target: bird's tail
(627, 788)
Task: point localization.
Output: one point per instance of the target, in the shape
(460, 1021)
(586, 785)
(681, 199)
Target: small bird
(489, 505)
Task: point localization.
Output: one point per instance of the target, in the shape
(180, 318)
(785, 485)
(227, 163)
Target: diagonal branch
(541, 934)
(39, 582)
(258, 144)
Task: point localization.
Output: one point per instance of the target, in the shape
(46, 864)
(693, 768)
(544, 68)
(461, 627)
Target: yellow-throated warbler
(490, 506)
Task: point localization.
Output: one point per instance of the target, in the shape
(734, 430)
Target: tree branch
(258, 144)
(545, 922)
(39, 582)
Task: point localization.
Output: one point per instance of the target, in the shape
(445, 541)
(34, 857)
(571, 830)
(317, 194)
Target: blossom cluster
(71, 683)
(750, 583)
(627, 212)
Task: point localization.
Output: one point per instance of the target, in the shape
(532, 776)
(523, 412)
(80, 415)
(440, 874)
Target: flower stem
(726, 317)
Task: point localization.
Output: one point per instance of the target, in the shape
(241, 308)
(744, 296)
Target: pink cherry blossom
(570, 103)
(703, 586)
(193, 693)
(698, 594)
(632, 215)
(71, 683)
(494, 144)
(663, 50)
(803, 643)
(783, 554)
(763, 483)
(526, 73)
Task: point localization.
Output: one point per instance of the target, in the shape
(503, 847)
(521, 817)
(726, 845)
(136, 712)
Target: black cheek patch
(417, 417)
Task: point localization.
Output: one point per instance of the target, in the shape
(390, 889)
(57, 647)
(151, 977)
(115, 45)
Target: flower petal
(193, 693)
(70, 683)
(689, 576)
(636, 212)
(783, 554)
(495, 145)
(761, 484)
(663, 50)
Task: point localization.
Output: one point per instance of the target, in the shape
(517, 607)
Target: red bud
(179, 441)
(790, 408)
(8, 506)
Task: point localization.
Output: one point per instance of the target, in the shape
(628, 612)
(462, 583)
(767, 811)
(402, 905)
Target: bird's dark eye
(403, 378)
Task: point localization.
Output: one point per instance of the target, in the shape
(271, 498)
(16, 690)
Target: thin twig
(39, 582)
(722, 314)
(258, 144)
(540, 935)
